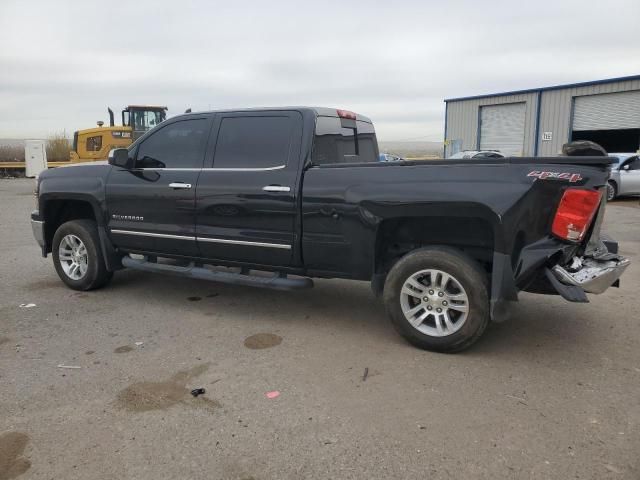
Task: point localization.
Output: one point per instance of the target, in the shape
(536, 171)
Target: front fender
(83, 189)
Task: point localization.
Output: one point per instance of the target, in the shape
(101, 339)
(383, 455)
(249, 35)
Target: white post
(35, 157)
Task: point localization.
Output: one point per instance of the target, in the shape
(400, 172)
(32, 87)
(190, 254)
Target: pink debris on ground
(273, 394)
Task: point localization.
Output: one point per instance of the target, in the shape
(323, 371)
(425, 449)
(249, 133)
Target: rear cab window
(343, 140)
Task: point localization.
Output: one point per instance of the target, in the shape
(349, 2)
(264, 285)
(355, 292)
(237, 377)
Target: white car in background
(625, 175)
(478, 154)
(387, 157)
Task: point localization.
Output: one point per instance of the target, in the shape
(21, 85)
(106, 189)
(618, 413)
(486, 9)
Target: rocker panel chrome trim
(149, 234)
(203, 239)
(244, 242)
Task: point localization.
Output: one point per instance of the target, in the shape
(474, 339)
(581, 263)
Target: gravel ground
(552, 394)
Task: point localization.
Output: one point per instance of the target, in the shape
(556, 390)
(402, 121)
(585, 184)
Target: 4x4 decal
(572, 177)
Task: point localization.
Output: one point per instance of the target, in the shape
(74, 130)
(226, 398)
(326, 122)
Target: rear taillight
(575, 213)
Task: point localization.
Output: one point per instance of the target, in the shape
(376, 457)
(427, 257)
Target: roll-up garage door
(502, 128)
(607, 111)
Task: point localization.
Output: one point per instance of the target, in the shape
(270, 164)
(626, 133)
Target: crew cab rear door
(246, 197)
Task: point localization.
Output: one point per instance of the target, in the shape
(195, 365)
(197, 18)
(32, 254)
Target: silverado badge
(133, 218)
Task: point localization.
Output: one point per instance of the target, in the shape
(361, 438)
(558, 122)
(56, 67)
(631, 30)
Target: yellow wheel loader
(93, 144)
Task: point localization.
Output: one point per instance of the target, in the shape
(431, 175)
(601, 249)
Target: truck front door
(246, 199)
(151, 207)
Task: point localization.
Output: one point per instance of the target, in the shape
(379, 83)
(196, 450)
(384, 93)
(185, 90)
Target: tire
(79, 268)
(612, 190)
(467, 285)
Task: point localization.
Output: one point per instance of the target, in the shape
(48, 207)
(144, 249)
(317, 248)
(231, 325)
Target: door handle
(276, 188)
(180, 186)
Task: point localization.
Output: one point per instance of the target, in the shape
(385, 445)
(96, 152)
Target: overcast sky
(63, 62)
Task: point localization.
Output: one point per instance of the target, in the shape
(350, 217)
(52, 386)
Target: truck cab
(248, 168)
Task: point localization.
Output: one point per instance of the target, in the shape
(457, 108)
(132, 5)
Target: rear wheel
(612, 190)
(437, 299)
(77, 255)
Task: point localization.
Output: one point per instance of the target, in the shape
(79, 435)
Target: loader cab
(142, 118)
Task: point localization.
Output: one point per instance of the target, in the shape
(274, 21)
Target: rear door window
(177, 145)
(344, 141)
(254, 141)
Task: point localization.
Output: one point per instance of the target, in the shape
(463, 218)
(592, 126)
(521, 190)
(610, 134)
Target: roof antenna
(188, 110)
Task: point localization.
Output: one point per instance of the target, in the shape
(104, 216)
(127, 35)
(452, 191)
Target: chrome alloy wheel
(73, 257)
(434, 303)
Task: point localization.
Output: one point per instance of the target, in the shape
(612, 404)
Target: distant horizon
(416, 142)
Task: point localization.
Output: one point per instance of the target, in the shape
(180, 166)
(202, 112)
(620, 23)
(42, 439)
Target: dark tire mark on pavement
(146, 396)
(12, 461)
(262, 340)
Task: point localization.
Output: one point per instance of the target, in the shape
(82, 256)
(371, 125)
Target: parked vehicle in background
(387, 157)
(477, 154)
(300, 191)
(625, 175)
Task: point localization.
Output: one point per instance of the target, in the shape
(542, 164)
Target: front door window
(177, 145)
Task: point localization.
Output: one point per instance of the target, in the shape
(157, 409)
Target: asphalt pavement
(311, 384)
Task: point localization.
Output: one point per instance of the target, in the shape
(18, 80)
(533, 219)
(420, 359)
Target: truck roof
(319, 111)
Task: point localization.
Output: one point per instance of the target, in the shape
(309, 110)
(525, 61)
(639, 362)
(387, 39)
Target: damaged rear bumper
(553, 267)
(593, 276)
(598, 268)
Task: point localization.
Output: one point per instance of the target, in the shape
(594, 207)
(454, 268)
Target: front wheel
(437, 299)
(77, 255)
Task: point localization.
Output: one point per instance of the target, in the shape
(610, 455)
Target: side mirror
(626, 167)
(119, 157)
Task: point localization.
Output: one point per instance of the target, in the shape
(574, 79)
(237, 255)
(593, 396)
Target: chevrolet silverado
(273, 197)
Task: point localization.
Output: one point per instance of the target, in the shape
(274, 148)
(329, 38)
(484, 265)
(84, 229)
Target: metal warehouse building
(539, 121)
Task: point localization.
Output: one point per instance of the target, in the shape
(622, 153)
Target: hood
(85, 164)
(87, 169)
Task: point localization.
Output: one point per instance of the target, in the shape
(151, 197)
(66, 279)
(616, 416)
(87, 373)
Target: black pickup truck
(272, 197)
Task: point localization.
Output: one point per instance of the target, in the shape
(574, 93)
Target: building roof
(542, 89)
